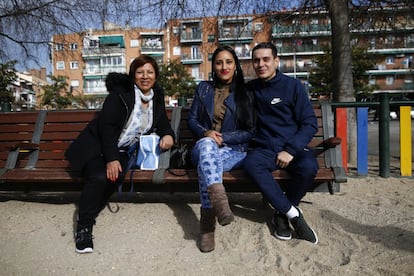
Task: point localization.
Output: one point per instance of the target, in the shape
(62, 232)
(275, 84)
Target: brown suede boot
(220, 203)
(207, 227)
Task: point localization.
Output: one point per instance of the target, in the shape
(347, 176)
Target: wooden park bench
(32, 146)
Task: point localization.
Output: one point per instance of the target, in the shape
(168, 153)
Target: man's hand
(283, 159)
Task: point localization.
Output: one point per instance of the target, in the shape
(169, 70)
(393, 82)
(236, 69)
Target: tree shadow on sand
(391, 236)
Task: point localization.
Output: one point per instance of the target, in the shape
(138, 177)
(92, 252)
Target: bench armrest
(330, 142)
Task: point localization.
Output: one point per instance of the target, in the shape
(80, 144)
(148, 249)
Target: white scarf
(132, 131)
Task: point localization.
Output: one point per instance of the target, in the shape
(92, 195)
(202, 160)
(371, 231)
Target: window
(389, 60)
(409, 40)
(176, 30)
(59, 47)
(110, 61)
(94, 86)
(372, 80)
(354, 41)
(211, 38)
(195, 53)
(93, 43)
(406, 62)
(243, 51)
(371, 43)
(134, 43)
(195, 72)
(92, 66)
(73, 46)
(74, 65)
(390, 40)
(177, 50)
(258, 27)
(389, 80)
(314, 21)
(74, 83)
(60, 65)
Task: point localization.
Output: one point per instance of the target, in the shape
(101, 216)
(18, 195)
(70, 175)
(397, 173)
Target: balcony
(192, 36)
(408, 86)
(152, 44)
(235, 35)
(382, 49)
(383, 71)
(191, 59)
(152, 50)
(95, 90)
(301, 30)
(190, 31)
(101, 51)
(237, 30)
(299, 50)
(103, 70)
(198, 76)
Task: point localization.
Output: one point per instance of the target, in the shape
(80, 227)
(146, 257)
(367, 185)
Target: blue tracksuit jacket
(285, 117)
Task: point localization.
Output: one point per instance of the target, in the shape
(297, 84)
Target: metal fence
(383, 108)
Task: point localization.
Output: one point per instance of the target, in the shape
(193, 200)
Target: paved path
(373, 141)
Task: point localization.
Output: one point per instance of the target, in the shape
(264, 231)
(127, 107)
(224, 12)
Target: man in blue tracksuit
(285, 125)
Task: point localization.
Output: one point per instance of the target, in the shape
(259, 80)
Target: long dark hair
(242, 96)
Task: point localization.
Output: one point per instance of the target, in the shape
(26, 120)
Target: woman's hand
(166, 142)
(217, 136)
(113, 168)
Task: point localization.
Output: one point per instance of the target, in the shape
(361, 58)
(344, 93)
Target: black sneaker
(303, 230)
(282, 229)
(83, 240)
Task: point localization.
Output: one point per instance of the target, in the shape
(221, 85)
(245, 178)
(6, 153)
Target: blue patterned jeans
(211, 161)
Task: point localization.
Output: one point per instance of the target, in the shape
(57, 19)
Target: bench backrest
(186, 136)
(60, 129)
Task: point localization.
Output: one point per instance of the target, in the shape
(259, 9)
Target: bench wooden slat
(15, 118)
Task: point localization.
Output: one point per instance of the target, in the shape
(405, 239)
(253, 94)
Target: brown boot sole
(226, 220)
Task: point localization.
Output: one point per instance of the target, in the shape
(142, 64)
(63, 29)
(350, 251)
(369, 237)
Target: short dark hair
(141, 61)
(266, 45)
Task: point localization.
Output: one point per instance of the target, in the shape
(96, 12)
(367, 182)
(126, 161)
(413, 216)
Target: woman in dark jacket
(134, 106)
(221, 117)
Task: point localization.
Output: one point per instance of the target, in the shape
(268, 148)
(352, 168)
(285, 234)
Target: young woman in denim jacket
(221, 117)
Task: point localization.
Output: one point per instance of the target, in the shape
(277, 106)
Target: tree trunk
(343, 90)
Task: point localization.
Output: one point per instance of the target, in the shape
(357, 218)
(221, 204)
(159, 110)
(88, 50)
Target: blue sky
(135, 13)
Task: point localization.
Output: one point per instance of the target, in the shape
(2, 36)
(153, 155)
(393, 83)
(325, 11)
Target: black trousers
(97, 188)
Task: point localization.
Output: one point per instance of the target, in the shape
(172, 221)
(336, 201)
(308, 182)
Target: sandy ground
(365, 229)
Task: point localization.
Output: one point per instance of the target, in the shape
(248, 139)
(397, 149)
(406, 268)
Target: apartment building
(85, 58)
(26, 88)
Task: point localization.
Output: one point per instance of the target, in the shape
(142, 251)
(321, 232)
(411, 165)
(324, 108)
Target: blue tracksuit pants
(259, 165)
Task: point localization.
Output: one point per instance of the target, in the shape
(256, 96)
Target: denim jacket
(201, 117)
